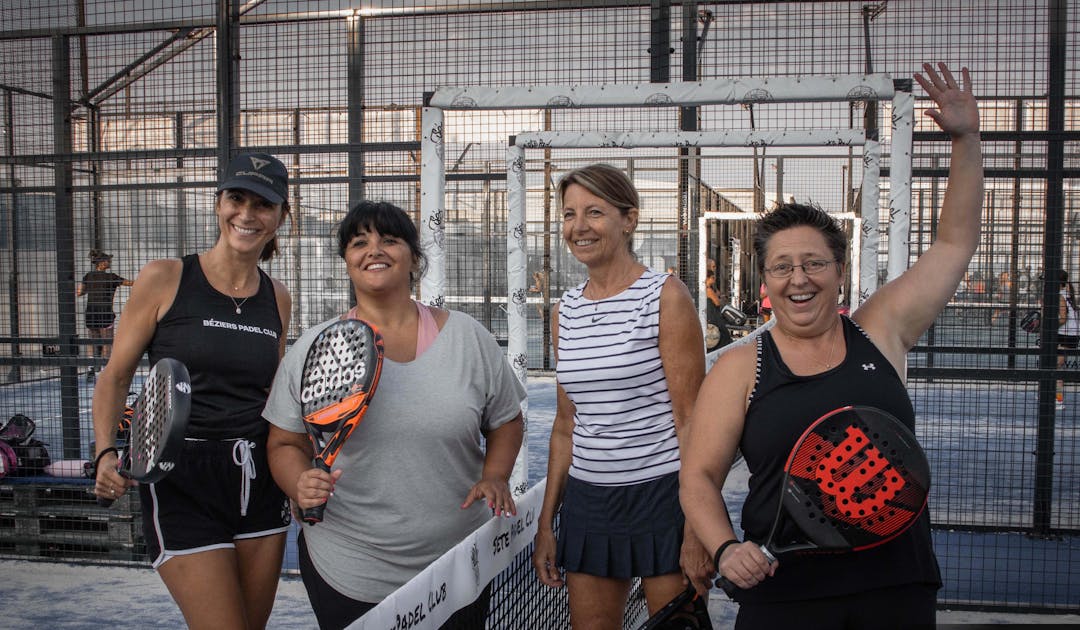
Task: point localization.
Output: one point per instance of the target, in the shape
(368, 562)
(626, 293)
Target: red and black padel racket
(341, 372)
(855, 479)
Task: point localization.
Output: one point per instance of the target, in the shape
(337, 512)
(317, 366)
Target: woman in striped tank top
(630, 360)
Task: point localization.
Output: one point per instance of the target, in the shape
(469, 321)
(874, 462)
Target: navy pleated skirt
(621, 531)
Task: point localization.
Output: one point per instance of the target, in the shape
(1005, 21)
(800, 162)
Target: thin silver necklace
(239, 304)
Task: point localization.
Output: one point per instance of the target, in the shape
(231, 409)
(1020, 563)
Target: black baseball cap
(260, 173)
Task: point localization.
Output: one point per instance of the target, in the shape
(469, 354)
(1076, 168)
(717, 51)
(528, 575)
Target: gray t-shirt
(410, 462)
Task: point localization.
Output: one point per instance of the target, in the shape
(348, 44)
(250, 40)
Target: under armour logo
(868, 366)
(258, 163)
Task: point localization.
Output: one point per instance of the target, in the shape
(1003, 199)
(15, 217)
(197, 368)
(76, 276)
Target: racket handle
(102, 501)
(313, 515)
(729, 587)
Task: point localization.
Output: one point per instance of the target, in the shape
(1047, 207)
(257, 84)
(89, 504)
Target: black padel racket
(341, 372)
(158, 425)
(687, 611)
(857, 478)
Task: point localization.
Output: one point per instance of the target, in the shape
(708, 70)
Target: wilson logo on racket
(844, 475)
(854, 481)
(183, 387)
(166, 466)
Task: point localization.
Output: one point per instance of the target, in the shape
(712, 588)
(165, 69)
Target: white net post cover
(433, 206)
(903, 127)
(706, 92)
(516, 314)
(871, 232)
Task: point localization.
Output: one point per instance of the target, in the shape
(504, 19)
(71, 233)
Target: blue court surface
(981, 440)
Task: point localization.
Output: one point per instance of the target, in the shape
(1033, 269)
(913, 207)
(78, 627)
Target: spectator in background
(1069, 330)
(99, 286)
(764, 304)
(716, 331)
(1002, 295)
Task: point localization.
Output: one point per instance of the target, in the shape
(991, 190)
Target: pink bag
(8, 461)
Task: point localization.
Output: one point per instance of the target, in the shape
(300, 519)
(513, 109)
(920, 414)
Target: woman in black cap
(99, 286)
(215, 526)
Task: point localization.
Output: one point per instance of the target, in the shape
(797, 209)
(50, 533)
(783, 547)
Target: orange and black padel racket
(341, 372)
(856, 479)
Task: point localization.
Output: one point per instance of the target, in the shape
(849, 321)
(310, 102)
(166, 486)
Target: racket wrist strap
(103, 453)
(720, 551)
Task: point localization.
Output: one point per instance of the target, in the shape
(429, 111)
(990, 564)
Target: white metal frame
(827, 88)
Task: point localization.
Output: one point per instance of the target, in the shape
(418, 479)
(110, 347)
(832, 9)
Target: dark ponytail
(271, 248)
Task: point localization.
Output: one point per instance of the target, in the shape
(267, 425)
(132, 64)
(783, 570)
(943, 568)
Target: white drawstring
(241, 456)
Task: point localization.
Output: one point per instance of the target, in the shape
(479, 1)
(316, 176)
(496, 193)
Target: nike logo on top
(868, 366)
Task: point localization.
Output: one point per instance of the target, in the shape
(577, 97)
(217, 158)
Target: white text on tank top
(609, 365)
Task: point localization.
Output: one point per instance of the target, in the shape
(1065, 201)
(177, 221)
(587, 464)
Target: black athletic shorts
(98, 320)
(1069, 341)
(906, 607)
(206, 504)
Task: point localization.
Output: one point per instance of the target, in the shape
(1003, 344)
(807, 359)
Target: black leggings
(901, 607)
(334, 610)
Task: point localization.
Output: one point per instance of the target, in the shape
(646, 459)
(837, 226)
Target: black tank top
(782, 405)
(100, 287)
(231, 357)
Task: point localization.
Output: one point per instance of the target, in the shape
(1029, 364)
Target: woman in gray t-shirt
(415, 477)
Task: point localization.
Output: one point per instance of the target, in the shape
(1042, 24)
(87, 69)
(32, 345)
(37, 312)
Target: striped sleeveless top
(609, 365)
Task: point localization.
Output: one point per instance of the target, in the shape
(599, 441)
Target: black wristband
(97, 460)
(720, 551)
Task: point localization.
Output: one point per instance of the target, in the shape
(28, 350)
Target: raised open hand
(957, 113)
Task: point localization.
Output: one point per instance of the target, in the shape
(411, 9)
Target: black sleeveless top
(100, 287)
(231, 357)
(782, 406)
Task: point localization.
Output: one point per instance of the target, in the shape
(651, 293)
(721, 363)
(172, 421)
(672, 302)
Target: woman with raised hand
(215, 526)
(761, 397)
(432, 458)
(630, 359)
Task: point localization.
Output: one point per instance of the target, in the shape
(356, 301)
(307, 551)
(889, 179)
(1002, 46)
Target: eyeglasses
(810, 267)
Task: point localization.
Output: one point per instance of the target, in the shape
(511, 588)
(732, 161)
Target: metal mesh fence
(115, 118)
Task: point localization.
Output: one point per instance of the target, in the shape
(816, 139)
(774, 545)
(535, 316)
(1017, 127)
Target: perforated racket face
(857, 479)
(340, 370)
(160, 421)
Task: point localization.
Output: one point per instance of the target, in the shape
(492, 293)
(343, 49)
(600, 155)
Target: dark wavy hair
(386, 219)
(789, 215)
(271, 248)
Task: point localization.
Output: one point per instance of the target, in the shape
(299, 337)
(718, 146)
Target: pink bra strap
(427, 330)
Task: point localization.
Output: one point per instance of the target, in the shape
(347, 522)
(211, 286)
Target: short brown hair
(606, 182)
